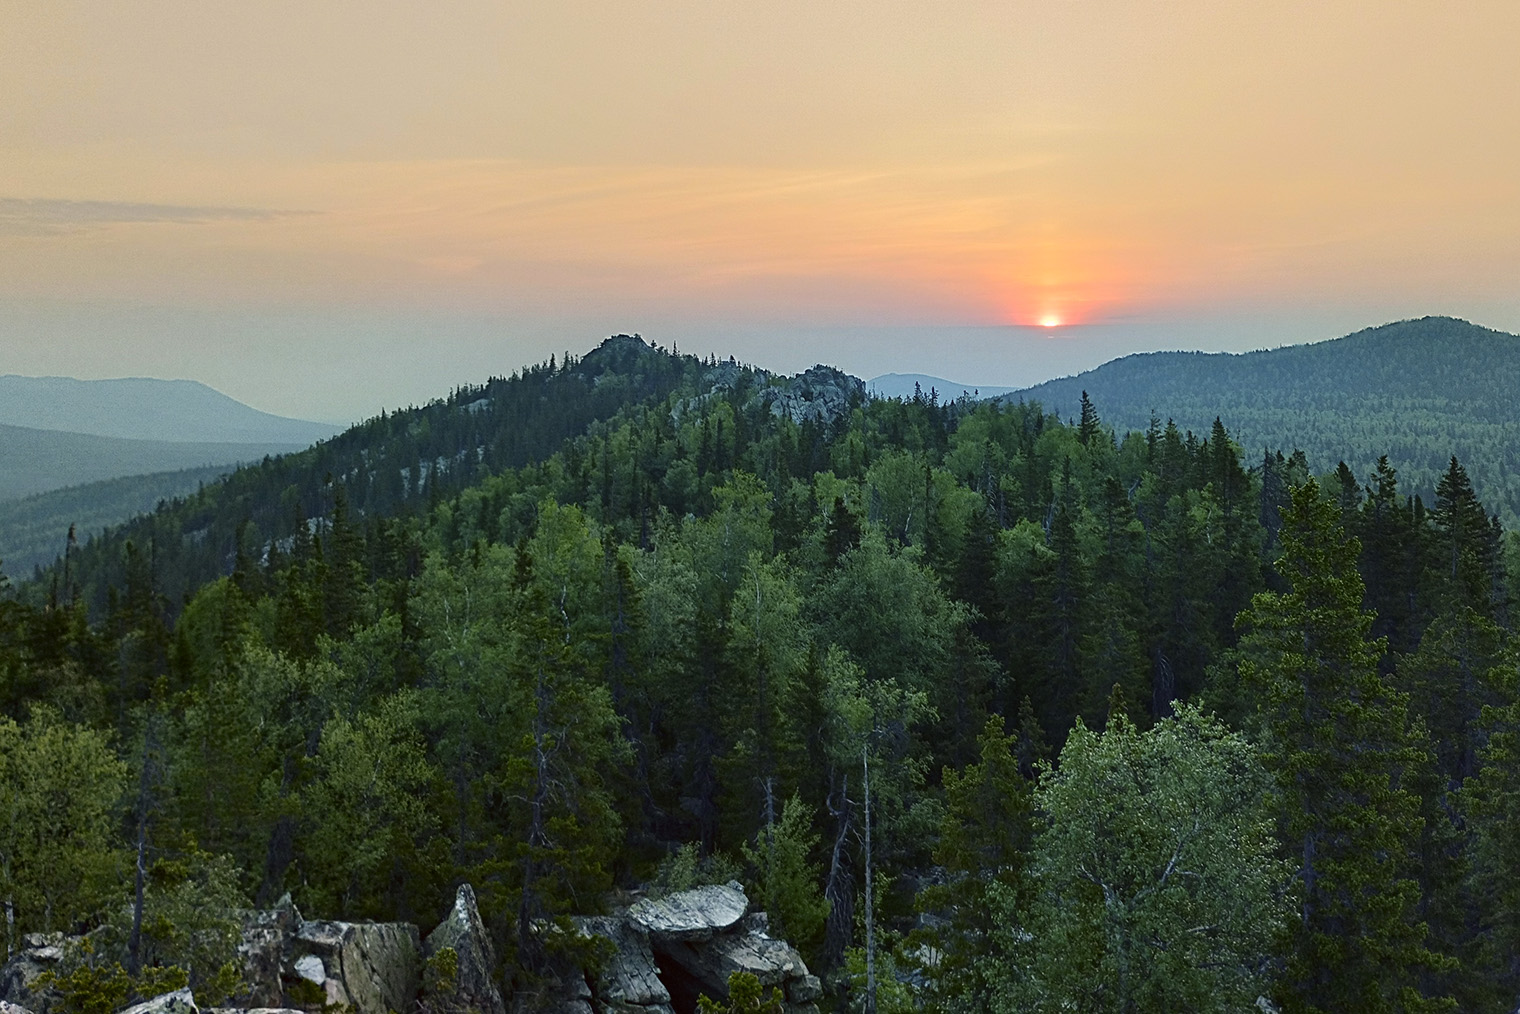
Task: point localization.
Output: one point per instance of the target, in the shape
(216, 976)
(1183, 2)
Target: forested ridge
(1150, 723)
(1418, 391)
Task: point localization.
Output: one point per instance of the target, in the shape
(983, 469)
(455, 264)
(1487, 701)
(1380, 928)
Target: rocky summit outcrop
(668, 951)
(821, 395)
(474, 985)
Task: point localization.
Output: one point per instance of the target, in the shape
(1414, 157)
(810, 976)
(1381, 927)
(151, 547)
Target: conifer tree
(1339, 743)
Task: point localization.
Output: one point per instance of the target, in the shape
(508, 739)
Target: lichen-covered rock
(465, 933)
(373, 967)
(630, 976)
(39, 952)
(695, 953)
(693, 915)
(181, 1001)
(803, 989)
(266, 938)
(822, 395)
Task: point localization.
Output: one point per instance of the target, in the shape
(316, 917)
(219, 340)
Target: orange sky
(737, 172)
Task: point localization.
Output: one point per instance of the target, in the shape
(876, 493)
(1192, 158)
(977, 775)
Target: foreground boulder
(266, 939)
(294, 963)
(464, 933)
(670, 951)
(373, 967)
(630, 978)
(39, 952)
(181, 1001)
(693, 915)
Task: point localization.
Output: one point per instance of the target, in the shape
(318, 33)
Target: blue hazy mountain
(900, 385)
(35, 461)
(140, 408)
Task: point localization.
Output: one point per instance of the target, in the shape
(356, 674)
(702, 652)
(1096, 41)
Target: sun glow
(1050, 320)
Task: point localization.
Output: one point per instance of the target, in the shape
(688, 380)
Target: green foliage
(537, 634)
(88, 984)
(1155, 884)
(192, 921)
(788, 878)
(745, 996)
(1339, 744)
(983, 841)
(688, 867)
(59, 785)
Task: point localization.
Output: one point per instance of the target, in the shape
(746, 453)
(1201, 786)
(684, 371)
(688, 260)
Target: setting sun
(1050, 320)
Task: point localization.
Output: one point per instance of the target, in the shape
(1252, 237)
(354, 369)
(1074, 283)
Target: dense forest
(1417, 391)
(1132, 720)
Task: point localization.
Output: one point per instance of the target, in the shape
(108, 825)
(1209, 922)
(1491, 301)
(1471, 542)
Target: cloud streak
(42, 216)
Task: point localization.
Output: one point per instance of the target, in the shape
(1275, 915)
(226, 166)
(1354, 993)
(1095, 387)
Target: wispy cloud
(42, 216)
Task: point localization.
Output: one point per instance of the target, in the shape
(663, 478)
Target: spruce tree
(1338, 740)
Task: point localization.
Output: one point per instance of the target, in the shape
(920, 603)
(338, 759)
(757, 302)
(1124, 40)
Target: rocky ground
(664, 953)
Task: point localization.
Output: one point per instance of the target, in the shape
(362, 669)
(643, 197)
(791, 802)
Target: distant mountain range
(136, 436)
(1417, 390)
(902, 385)
(140, 408)
(36, 461)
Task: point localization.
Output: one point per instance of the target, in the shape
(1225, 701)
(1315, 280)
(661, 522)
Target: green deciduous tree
(59, 788)
(1156, 883)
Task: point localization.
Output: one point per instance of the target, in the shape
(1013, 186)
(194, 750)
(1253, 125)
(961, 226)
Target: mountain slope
(1417, 390)
(34, 461)
(33, 530)
(388, 466)
(140, 408)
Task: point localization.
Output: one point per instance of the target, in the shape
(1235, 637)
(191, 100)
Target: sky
(326, 208)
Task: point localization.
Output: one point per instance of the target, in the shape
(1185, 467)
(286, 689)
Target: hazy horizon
(324, 211)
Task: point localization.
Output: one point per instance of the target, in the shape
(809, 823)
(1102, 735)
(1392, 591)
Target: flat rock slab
(693, 915)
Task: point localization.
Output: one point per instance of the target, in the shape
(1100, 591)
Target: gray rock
(803, 989)
(464, 931)
(309, 967)
(693, 915)
(373, 967)
(821, 395)
(6, 1007)
(630, 976)
(266, 939)
(179, 1002)
(39, 952)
